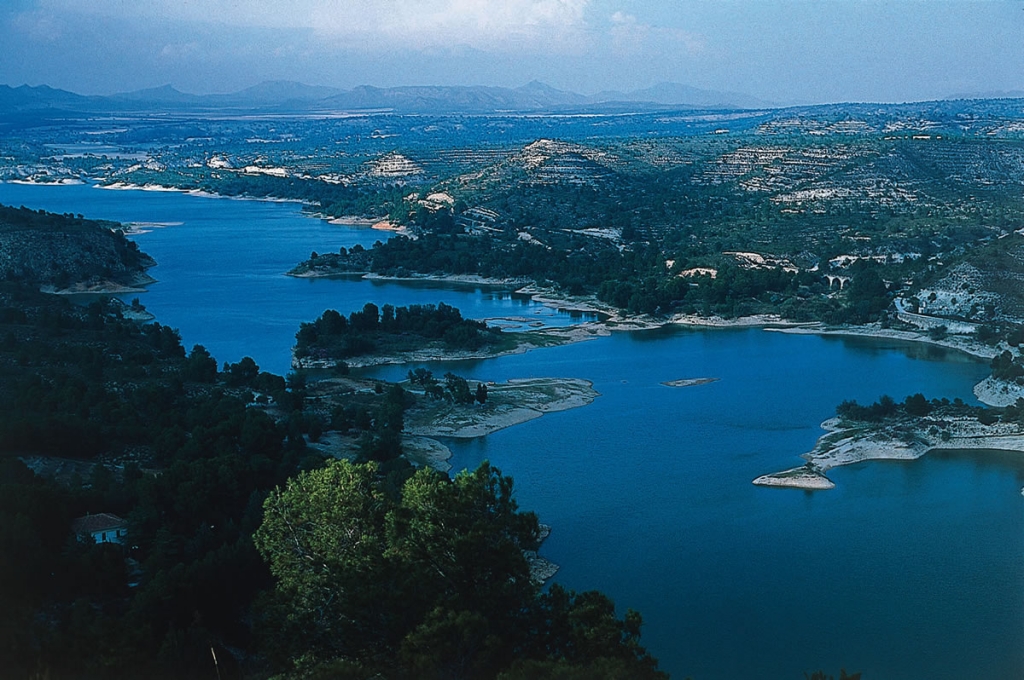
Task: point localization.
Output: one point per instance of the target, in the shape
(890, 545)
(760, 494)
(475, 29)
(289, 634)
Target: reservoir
(903, 571)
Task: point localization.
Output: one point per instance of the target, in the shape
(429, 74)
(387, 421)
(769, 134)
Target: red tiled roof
(90, 524)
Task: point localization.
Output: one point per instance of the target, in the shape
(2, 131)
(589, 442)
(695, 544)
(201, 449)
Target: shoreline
(972, 348)
(851, 444)
(201, 193)
(513, 402)
(989, 391)
(553, 337)
(136, 285)
(459, 279)
(998, 393)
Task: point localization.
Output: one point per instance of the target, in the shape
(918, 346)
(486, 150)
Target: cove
(904, 571)
(221, 266)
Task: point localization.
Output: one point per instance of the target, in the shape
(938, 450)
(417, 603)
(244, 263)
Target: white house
(101, 528)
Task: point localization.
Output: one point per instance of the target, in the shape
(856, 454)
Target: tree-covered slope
(67, 251)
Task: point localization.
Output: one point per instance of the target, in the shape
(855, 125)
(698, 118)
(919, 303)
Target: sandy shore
(347, 221)
(508, 404)
(846, 445)
(617, 320)
(136, 228)
(367, 223)
(998, 392)
(127, 186)
(802, 477)
(426, 452)
(766, 321)
(63, 181)
(466, 279)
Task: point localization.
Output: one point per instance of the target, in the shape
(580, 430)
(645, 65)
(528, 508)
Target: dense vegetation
(116, 417)
(636, 225)
(918, 406)
(388, 330)
(43, 248)
(621, 207)
(129, 424)
(428, 583)
(1007, 367)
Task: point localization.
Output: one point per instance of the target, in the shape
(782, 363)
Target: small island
(389, 335)
(890, 430)
(689, 382)
(363, 418)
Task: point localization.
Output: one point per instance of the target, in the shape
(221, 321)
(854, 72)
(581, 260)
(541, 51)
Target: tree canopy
(431, 581)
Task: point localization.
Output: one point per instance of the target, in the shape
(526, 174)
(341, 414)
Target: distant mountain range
(288, 96)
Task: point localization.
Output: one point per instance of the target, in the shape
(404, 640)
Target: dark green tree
(917, 405)
(200, 366)
(431, 583)
(458, 389)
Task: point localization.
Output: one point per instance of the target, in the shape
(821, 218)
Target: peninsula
(887, 430)
(365, 418)
(69, 254)
(369, 418)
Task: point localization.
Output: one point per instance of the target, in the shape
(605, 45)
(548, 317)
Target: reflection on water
(914, 350)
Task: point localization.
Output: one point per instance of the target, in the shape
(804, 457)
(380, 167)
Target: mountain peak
(537, 86)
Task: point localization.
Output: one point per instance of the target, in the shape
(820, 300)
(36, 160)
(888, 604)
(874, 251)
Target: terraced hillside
(666, 211)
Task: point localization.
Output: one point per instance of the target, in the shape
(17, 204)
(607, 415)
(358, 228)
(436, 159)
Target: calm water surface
(221, 264)
(904, 571)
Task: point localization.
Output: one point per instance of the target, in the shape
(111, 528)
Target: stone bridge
(832, 278)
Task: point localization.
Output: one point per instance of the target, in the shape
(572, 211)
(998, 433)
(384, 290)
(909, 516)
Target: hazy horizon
(780, 51)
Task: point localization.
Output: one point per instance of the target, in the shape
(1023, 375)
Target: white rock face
(394, 165)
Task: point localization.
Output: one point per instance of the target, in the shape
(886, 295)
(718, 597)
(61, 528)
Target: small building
(101, 528)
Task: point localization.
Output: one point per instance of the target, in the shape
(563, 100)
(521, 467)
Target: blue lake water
(221, 264)
(904, 571)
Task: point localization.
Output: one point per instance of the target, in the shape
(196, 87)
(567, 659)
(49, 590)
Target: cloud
(492, 25)
(629, 36)
(37, 26)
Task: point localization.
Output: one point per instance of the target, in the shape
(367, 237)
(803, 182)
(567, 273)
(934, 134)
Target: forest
(101, 414)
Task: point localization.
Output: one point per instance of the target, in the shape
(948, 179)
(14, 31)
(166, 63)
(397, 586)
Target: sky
(782, 51)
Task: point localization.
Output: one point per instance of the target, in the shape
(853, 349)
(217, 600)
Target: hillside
(67, 253)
